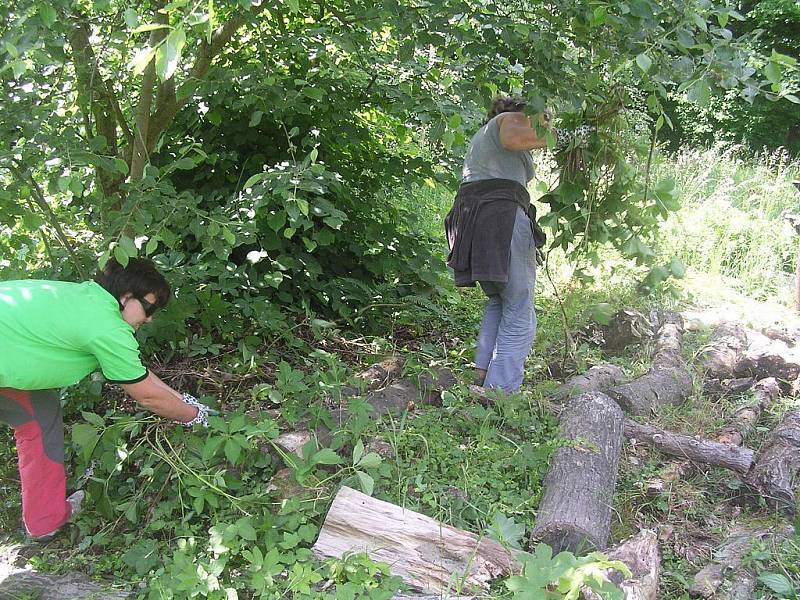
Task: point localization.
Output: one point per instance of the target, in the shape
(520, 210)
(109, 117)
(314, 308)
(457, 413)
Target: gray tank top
(487, 159)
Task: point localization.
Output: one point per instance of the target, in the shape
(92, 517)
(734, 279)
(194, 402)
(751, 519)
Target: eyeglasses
(148, 307)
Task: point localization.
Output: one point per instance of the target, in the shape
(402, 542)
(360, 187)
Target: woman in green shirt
(53, 334)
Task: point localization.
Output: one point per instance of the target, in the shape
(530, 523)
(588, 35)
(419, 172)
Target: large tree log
(777, 465)
(429, 555)
(768, 358)
(596, 379)
(668, 382)
(626, 327)
(575, 510)
(724, 351)
(736, 458)
(641, 555)
(745, 419)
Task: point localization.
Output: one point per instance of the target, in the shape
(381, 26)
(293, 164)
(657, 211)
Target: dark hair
(138, 278)
(504, 104)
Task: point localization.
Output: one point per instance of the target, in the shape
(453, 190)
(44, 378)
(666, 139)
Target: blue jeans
(509, 320)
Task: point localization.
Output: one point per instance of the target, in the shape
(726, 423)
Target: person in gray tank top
(492, 241)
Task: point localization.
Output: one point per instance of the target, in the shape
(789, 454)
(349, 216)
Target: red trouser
(39, 431)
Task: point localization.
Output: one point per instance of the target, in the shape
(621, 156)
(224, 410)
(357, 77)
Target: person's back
(487, 158)
(54, 333)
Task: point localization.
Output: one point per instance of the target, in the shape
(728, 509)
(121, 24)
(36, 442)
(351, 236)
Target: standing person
(53, 334)
(492, 234)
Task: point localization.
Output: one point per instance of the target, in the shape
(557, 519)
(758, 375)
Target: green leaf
(358, 451)
(371, 460)
(128, 246)
(326, 456)
(246, 529)
(169, 52)
(255, 118)
(366, 481)
(120, 256)
(699, 92)
(773, 72)
(232, 451)
(644, 62)
(47, 13)
(142, 58)
(677, 268)
(455, 121)
(506, 531)
(149, 27)
(601, 312)
(131, 18)
(778, 583)
(94, 419)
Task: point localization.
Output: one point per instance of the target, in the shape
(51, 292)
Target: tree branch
(167, 105)
(41, 202)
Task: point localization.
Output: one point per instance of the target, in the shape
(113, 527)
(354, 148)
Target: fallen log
(768, 358)
(626, 327)
(697, 449)
(641, 555)
(428, 555)
(745, 419)
(667, 382)
(575, 510)
(719, 357)
(777, 465)
(596, 379)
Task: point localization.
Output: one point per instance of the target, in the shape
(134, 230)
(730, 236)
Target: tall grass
(732, 219)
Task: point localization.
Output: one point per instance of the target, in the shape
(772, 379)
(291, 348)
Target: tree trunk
(575, 511)
(696, 449)
(640, 553)
(777, 465)
(596, 379)
(668, 382)
(627, 327)
(428, 555)
(723, 351)
(769, 358)
(744, 420)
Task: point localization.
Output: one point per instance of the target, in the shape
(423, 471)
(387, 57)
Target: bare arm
(156, 396)
(517, 133)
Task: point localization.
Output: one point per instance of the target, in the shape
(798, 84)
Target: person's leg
(517, 326)
(39, 433)
(487, 335)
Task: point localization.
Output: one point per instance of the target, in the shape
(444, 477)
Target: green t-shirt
(54, 333)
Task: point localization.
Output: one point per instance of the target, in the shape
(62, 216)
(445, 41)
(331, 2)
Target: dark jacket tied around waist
(479, 228)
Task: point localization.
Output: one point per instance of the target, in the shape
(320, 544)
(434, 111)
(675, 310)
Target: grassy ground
(190, 514)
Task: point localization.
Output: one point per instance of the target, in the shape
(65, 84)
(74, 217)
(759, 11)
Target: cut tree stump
(641, 555)
(428, 555)
(667, 382)
(626, 327)
(377, 376)
(696, 449)
(768, 358)
(724, 350)
(596, 379)
(745, 419)
(575, 510)
(775, 473)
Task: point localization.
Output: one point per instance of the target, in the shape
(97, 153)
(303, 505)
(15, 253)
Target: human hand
(203, 411)
(574, 137)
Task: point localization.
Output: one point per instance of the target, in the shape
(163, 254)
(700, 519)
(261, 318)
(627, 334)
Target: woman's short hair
(139, 278)
(504, 104)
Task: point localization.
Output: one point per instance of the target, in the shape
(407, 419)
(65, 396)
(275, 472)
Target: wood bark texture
(428, 555)
(575, 510)
(596, 379)
(377, 376)
(668, 382)
(745, 419)
(25, 583)
(775, 473)
(697, 449)
(627, 327)
(641, 554)
(768, 358)
(724, 351)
